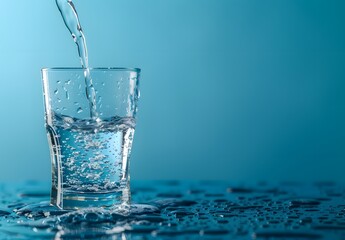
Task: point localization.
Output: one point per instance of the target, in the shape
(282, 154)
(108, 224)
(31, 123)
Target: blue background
(231, 89)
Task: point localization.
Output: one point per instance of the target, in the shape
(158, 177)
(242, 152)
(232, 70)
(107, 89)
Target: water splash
(180, 210)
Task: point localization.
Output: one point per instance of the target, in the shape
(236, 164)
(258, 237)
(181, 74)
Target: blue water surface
(182, 210)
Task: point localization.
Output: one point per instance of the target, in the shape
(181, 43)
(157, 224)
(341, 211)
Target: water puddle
(183, 210)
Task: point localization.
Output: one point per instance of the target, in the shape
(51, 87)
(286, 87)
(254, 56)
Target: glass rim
(123, 69)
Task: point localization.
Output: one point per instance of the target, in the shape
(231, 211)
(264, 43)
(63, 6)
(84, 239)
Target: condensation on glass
(90, 152)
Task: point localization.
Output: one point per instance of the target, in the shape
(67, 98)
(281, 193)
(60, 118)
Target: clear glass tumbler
(90, 154)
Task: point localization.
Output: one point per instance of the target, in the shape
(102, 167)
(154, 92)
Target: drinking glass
(90, 153)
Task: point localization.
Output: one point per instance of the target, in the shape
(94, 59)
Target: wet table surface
(183, 210)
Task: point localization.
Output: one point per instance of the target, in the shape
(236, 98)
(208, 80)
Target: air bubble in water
(79, 110)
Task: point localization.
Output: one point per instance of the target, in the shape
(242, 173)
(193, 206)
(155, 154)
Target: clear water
(94, 157)
(182, 210)
(90, 157)
(71, 19)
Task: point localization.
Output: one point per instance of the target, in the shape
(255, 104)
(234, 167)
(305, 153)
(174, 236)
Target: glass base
(78, 200)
